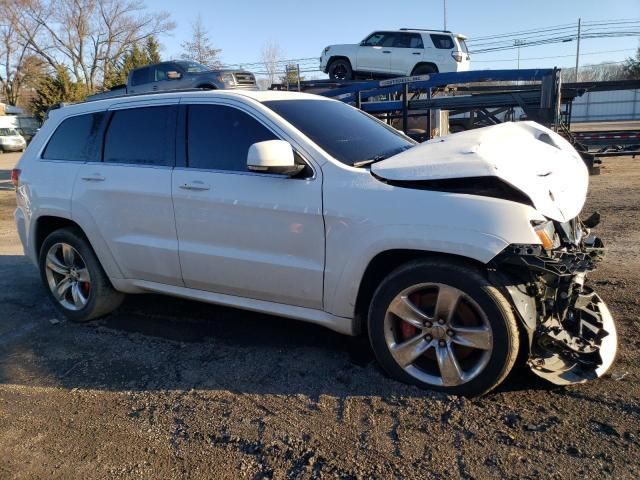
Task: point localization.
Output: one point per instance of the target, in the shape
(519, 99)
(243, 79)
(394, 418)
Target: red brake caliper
(409, 331)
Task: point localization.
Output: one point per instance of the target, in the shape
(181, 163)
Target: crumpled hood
(526, 155)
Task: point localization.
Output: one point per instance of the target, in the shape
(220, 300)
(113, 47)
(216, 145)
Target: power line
(556, 56)
(558, 39)
(565, 26)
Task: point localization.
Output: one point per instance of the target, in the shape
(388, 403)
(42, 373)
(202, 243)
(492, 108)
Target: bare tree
(200, 48)
(595, 73)
(86, 36)
(18, 67)
(271, 59)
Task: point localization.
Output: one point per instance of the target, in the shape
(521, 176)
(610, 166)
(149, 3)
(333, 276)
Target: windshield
(6, 132)
(193, 67)
(349, 135)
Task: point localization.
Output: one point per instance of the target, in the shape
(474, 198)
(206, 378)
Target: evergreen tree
(135, 57)
(52, 90)
(152, 49)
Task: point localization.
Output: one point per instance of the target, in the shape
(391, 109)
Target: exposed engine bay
(572, 335)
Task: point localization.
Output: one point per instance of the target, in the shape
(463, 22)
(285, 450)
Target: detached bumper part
(572, 334)
(564, 358)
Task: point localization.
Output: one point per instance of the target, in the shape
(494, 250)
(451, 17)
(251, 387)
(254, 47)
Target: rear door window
(219, 137)
(444, 42)
(408, 40)
(76, 139)
(141, 136)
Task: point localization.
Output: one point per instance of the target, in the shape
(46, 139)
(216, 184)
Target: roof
(257, 95)
(426, 30)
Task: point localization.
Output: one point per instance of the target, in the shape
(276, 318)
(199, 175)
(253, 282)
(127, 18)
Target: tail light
(15, 177)
(457, 55)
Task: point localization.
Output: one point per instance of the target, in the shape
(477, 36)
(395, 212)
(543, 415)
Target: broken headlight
(546, 232)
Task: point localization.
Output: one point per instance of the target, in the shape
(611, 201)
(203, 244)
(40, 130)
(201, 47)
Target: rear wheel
(74, 278)
(424, 70)
(443, 326)
(340, 69)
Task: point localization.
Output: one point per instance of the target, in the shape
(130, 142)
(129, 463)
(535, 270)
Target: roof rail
(425, 30)
(158, 92)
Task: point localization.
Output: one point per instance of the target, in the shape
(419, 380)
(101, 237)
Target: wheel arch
(337, 57)
(381, 265)
(425, 64)
(46, 224)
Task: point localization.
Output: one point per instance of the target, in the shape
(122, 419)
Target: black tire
(102, 298)
(340, 69)
(498, 314)
(424, 70)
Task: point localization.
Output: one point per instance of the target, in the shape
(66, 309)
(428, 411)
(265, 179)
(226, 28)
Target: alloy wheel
(438, 334)
(67, 276)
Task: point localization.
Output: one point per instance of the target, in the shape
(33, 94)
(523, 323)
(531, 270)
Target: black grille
(245, 78)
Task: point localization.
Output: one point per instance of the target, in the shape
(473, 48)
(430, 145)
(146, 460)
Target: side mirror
(272, 156)
(173, 75)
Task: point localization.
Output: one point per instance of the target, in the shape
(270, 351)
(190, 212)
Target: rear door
(243, 233)
(374, 53)
(126, 198)
(407, 51)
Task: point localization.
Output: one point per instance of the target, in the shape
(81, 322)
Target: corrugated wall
(607, 106)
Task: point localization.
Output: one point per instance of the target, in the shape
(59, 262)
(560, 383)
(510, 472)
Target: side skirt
(345, 326)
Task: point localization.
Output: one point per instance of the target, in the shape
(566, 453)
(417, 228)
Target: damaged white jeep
(456, 257)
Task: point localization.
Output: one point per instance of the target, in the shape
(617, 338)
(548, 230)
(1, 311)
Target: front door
(241, 233)
(374, 53)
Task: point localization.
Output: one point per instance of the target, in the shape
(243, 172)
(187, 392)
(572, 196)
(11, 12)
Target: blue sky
(303, 29)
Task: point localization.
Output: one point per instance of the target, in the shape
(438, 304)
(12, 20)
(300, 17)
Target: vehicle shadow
(160, 343)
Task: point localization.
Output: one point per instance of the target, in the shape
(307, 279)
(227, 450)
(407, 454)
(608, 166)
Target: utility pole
(518, 43)
(577, 52)
(444, 8)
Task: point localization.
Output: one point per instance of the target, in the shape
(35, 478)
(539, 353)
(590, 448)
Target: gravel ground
(166, 388)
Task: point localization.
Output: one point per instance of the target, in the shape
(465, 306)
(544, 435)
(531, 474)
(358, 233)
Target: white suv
(452, 256)
(397, 53)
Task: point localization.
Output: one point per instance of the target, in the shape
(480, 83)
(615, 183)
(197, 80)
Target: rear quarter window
(444, 42)
(76, 139)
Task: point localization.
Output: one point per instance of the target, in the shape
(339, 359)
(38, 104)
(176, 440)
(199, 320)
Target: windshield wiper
(379, 158)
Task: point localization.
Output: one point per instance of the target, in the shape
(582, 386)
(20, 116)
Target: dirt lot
(166, 388)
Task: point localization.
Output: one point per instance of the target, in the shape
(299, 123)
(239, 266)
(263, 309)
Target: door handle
(94, 177)
(417, 53)
(386, 51)
(155, 87)
(196, 186)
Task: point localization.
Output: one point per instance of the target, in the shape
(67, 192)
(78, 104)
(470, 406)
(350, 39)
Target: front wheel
(340, 69)
(74, 278)
(442, 326)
